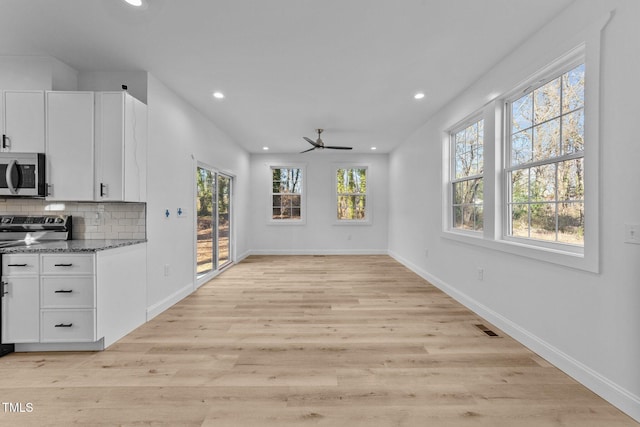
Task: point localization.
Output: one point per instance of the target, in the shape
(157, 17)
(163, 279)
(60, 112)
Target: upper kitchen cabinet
(23, 121)
(69, 149)
(120, 147)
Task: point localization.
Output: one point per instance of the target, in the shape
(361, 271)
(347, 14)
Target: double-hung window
(544, 150)
(287, 194)
(467, 183)
(351, 194)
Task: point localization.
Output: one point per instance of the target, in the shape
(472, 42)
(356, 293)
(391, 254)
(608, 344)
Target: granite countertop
(93, 245)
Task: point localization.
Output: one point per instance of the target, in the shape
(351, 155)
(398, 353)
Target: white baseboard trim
(618, 396)
(242, 256)
(319, 252)
(157, 308)
(70, 346)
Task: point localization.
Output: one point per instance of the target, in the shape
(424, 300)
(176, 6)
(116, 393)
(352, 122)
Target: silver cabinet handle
(63, 291)
(3, 289)
(62, 265)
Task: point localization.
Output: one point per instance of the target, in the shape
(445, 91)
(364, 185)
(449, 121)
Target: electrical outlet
(632, 233)
(481, 274)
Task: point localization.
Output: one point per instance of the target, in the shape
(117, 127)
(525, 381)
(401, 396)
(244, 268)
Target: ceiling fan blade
(338, 148)
(312, 148)
(310, 141)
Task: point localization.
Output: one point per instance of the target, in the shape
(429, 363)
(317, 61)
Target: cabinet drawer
(67, 264)
(67, 292)
(68, 326)
(20, 264)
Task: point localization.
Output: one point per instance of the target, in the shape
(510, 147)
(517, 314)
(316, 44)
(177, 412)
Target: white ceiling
(288, 66)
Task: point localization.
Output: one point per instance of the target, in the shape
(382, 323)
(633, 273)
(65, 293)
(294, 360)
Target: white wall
(320, 234)
(136, 82)
(178, 137)
(36, 73)
(587, 324)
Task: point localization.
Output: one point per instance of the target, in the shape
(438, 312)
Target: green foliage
(351, 189)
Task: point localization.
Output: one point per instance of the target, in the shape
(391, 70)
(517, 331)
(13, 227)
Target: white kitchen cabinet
(67, 298)
(20, 299)
(70, 145)
(73, 301)
(120, 147)
(122, 291)
(23, 121)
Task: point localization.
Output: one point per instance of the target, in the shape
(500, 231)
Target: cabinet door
(24, 122)
(121, 147)
(70, 134)
(21, 310)
(135, 150)
(109, 146)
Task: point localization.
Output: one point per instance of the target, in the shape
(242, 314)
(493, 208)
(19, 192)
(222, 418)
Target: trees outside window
(545, 161)
(287, 194)
(351, 194)
(467, 184)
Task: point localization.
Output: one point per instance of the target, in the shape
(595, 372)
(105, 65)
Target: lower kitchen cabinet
(67, 326)
(20, 310)
(20, 299)
(73, 301)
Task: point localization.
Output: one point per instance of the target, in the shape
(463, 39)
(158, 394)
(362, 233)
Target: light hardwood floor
(305, 341)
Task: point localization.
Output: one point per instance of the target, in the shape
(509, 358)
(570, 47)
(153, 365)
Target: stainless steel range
(26, 230)
(21, 230)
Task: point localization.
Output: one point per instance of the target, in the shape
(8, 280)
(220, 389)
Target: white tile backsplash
(90, 220)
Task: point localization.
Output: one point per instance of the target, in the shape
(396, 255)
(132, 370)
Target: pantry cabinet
(120, 147)
(23, 121)
(70, 146)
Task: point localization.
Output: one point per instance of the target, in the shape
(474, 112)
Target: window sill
(287, 222)
(554, 256)
(353, 222)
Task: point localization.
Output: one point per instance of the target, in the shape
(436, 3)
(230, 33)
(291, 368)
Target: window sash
(545, 236)
(290, 206)
(477, 145)
(360, 212)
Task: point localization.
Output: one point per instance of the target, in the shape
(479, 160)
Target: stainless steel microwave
(22, 174)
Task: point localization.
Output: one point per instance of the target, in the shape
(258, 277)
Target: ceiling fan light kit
(319, 144)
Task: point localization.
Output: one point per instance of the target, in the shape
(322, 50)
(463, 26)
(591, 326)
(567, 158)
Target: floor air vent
(486, 330)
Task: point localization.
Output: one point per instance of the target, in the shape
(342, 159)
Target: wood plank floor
(305, 341)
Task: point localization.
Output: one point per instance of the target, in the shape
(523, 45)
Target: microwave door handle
(9, 177)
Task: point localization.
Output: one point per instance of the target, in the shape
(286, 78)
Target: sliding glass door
(213, 221)
(224, 219)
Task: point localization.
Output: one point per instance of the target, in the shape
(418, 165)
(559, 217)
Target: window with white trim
(467, 182)
(351, 194)
(544, 150)
(287, 195)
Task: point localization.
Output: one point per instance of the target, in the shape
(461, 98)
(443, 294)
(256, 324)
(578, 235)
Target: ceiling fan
(319, 144)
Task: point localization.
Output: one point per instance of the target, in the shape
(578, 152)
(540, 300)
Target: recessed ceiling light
(374, 148)
(136, 3)
(218, 95)
(265, 148)
(419, 95)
